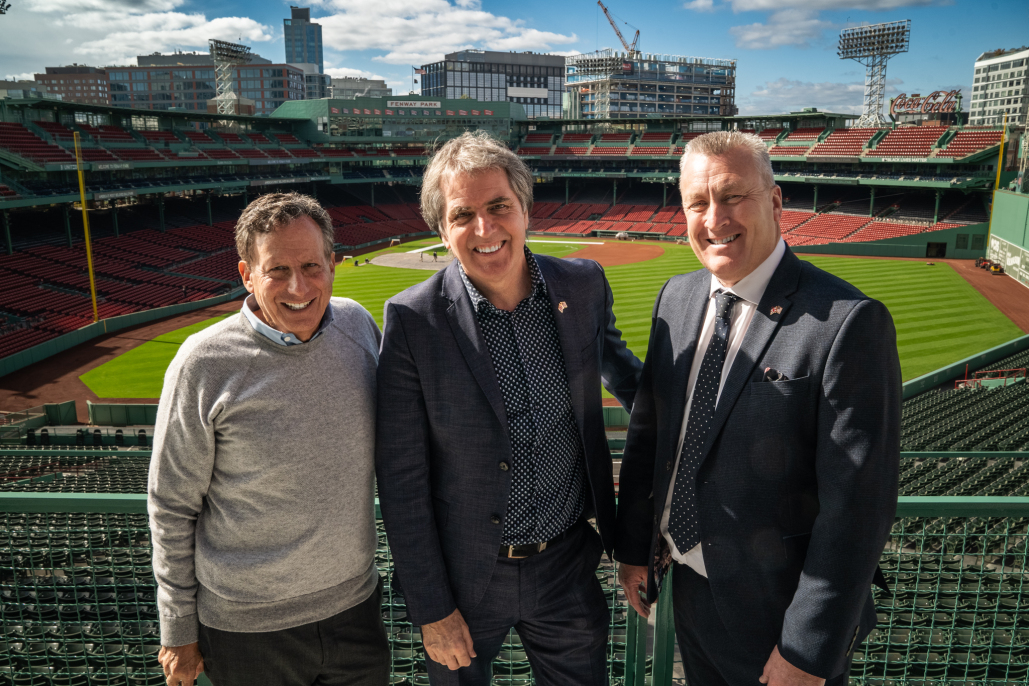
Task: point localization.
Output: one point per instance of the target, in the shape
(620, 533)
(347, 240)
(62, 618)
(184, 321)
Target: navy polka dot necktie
(683, 524)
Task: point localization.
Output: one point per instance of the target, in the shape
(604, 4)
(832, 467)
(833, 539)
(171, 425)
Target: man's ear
(246, 275)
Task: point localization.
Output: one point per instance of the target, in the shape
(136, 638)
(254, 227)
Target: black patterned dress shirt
(548, 479)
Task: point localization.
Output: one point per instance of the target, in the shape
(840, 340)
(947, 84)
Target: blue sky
(786, 49)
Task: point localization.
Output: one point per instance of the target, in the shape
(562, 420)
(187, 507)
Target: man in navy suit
(760, 467)
(490, 450)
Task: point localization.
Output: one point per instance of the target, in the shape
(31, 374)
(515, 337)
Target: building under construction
(608, 84)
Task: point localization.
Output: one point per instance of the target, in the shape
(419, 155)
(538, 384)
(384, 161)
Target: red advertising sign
(475, 113)
(450, 113)
(334, 110)
(935, 102)
(367, 111)
(390, 112)
(378, 112)
(489, 113)
(463, 113)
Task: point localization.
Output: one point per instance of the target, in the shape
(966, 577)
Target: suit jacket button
(504, 467)
(495, 519)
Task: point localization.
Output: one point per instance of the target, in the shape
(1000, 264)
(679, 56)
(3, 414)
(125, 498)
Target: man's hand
(779, 672)
(633, 579)
(182, 664)
(448, 641)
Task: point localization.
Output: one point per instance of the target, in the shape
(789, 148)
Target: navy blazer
(442, 429)
(797, 488)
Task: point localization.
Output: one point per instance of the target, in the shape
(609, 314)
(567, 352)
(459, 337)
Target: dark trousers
(555, 603)
(711, 655)
(347, 649)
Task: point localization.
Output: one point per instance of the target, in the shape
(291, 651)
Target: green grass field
(139, 373)
(940, 318)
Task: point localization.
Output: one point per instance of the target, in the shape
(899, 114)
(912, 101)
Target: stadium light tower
(872, 46)
(226, 56)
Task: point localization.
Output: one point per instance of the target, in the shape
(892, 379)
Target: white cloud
(787, 27)
(342, 72)
(142, 34)
(785, 95)
(104, 32)
(79, 6)
(796, 22)
(700, 5)
(419, 31)
(816, 5)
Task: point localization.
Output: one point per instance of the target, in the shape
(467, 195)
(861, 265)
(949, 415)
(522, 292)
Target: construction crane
(631, 49)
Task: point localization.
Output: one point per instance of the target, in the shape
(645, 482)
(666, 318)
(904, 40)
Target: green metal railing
(77, 594)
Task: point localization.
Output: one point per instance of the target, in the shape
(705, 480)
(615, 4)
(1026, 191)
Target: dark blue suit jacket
(442, 429)
(797, 489)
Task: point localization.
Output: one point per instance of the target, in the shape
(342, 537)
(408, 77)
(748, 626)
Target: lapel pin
(776, 310)
(561, 306)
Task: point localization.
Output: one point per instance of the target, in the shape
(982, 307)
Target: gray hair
(470, 153)
(718, 143)
(276, 210)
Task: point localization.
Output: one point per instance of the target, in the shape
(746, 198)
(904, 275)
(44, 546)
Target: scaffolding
(609, 84)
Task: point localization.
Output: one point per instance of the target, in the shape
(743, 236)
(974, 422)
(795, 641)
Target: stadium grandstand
(163, 191)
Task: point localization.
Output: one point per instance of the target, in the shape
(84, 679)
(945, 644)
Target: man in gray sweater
(262, 476)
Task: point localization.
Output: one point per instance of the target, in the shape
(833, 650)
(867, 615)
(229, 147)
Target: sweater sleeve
(180, 474)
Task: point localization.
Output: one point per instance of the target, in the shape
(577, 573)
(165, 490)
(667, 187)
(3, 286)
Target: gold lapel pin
(561, 306)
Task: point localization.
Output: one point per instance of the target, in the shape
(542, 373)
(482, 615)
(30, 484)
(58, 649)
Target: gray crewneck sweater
(261, 489)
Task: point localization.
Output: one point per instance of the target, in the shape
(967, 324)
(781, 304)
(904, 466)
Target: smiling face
(731, 214)
(291, 277)
(486, 229)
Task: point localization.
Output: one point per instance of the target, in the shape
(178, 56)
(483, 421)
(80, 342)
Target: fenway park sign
(935, 102)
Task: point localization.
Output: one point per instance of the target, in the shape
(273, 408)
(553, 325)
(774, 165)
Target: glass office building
(303, 39)
(535, 81)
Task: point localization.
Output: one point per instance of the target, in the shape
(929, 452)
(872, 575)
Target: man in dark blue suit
(490, 448)
(760, 467)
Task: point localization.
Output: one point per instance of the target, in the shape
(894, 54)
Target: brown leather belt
(518, 552)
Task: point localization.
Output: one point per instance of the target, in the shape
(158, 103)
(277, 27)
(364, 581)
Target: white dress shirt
(750, 290)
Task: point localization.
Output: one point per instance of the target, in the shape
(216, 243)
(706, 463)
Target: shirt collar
(250, 309)
(480, 302)
(752, 286)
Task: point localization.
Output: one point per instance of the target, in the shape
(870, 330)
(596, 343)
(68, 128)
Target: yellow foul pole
(996, 183)
(85, 225)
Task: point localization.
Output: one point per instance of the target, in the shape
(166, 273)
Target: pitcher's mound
(612, 254)
(408, 260)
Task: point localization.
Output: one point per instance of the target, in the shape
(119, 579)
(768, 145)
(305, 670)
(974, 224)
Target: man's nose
(717, 215)
(483, 224)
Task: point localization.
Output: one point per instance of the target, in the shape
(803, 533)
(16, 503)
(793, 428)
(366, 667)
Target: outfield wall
(907, 246)
(57, 345)
(1009, 234)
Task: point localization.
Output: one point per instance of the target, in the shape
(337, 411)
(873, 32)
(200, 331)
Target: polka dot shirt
(548, 479)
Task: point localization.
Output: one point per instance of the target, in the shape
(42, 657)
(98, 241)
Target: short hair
(718, 143)
(276, 210)
(470, 153)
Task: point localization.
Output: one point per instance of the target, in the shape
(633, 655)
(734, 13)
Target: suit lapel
(762, 327)
(569, 333)
(470, 341)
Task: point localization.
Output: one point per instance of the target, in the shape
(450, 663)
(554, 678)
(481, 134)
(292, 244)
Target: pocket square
(774, 375)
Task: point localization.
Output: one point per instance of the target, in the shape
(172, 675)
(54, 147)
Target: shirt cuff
(179, 631)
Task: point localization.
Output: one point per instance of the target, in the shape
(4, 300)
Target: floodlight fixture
(226, 56)
(872, 46)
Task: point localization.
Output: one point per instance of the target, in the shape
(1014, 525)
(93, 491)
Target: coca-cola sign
(935, 102)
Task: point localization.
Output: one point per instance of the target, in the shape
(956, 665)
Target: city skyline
(786, 49)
